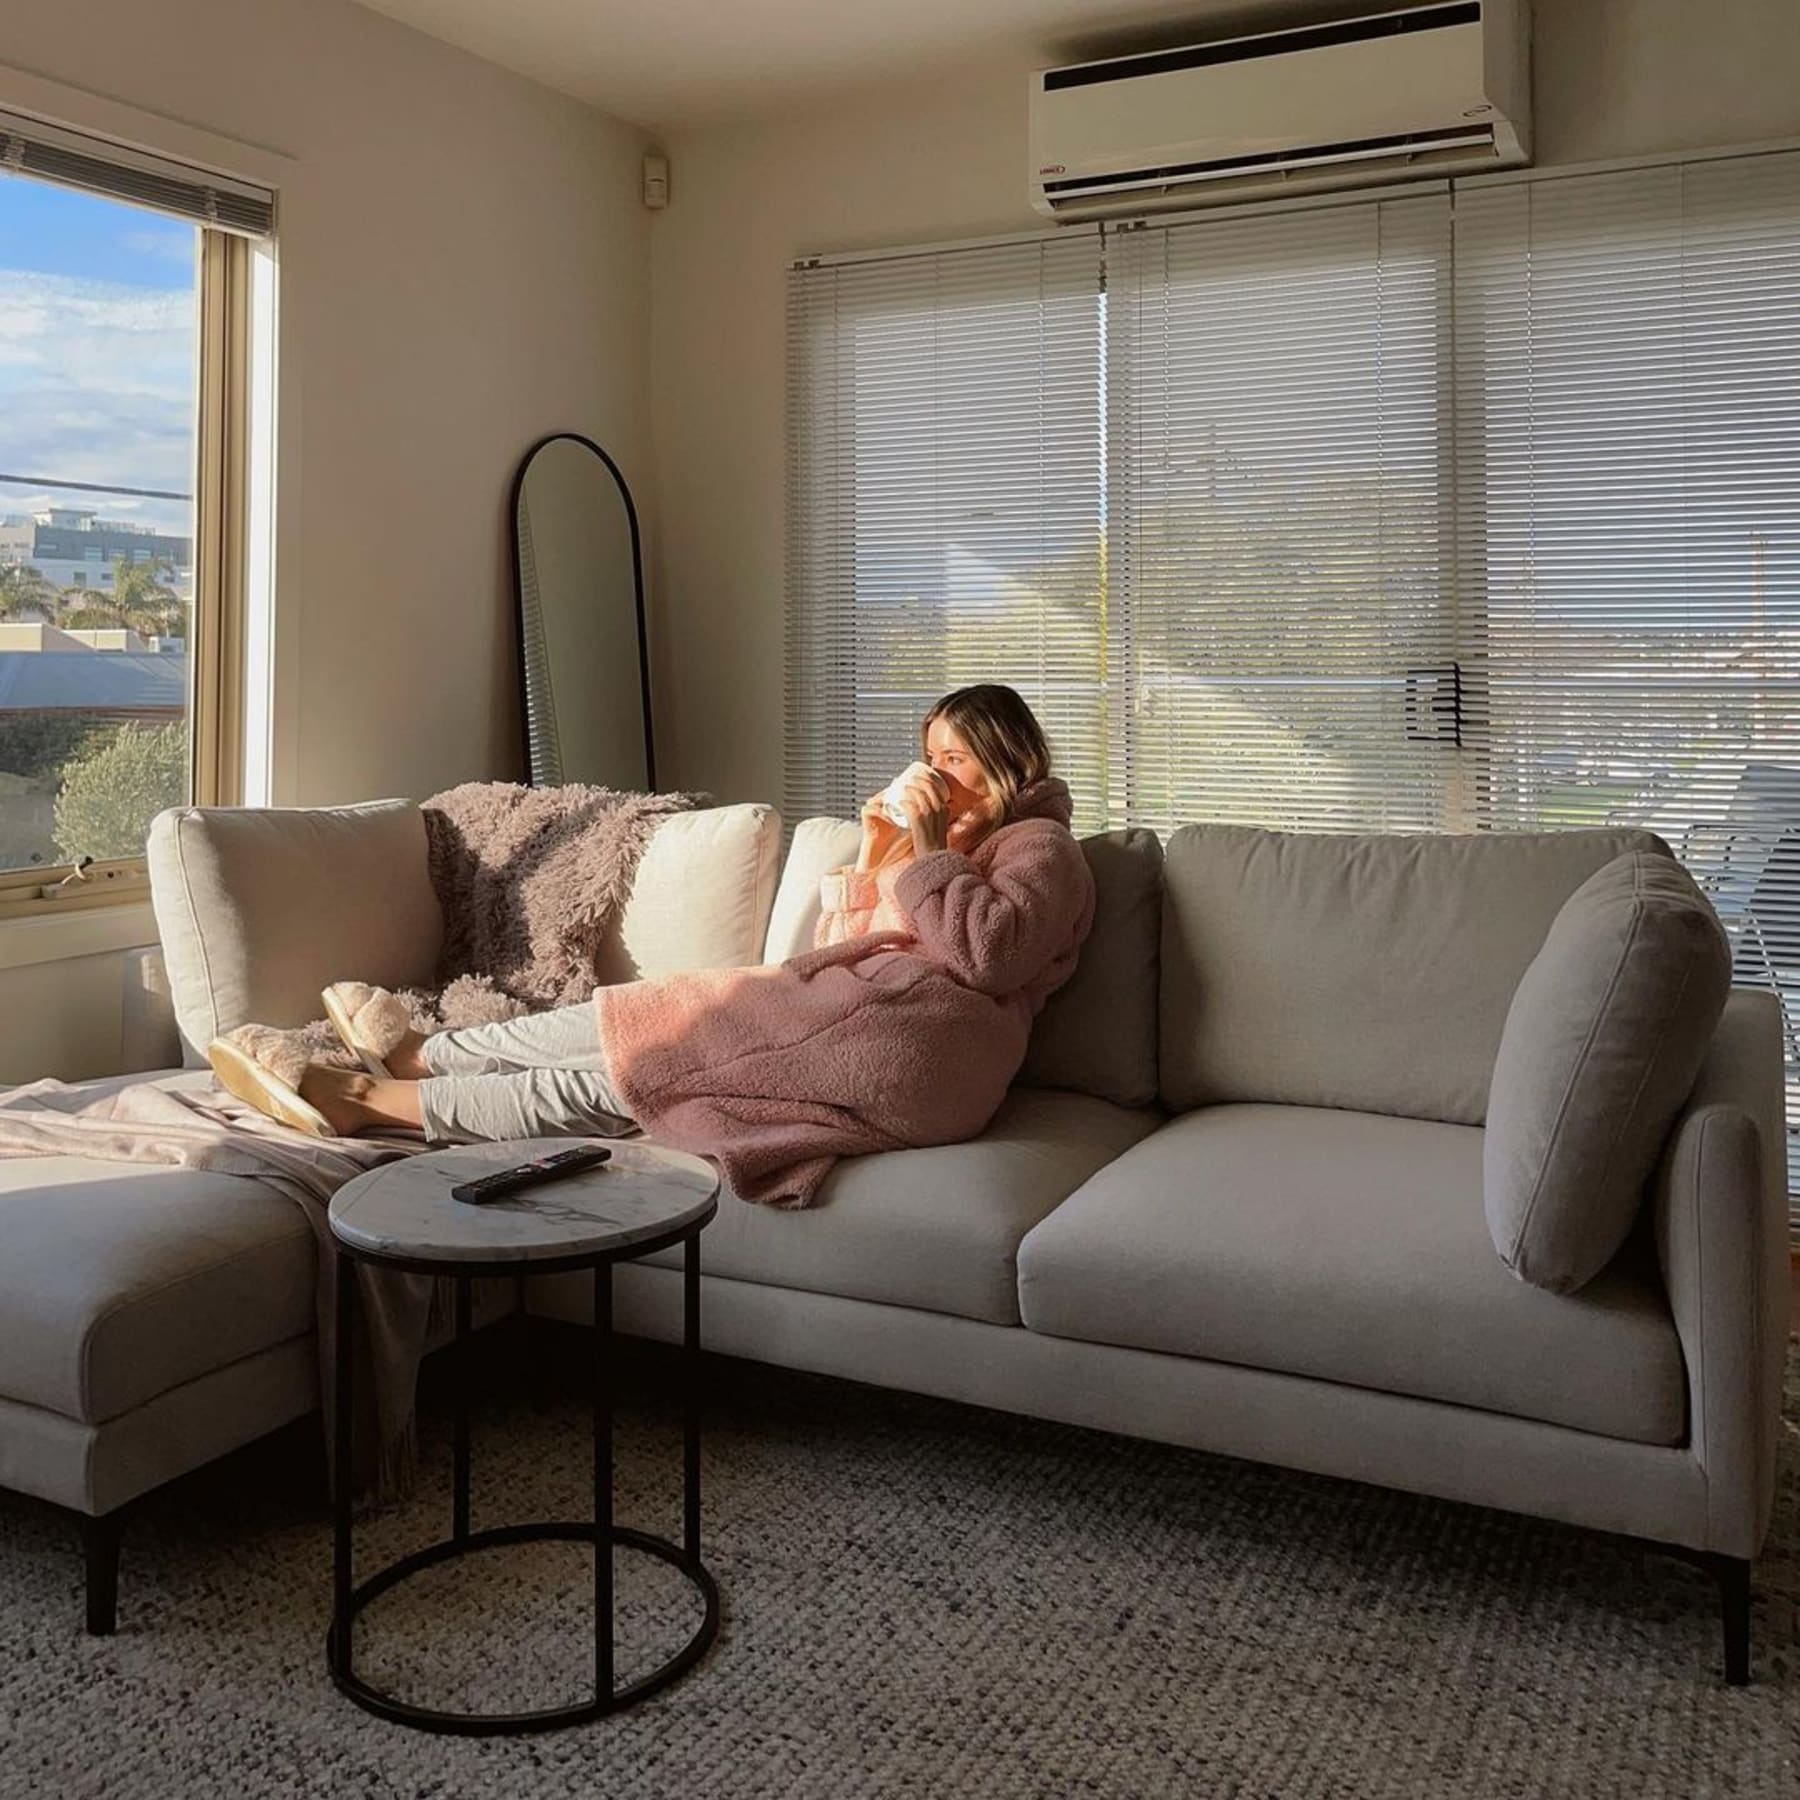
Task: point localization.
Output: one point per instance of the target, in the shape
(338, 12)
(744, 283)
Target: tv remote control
(531, 1174)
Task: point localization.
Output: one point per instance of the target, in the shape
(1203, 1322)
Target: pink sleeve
(999, 932)
(847, 901)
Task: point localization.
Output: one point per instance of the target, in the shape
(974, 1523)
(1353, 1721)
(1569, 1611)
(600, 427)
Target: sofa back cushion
(1359, 971)
(258, 908)
(1097, 1033)
(701, 896)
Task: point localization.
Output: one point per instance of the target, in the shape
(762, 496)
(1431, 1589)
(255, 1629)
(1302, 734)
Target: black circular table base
(386, 1706)
(599, 1529)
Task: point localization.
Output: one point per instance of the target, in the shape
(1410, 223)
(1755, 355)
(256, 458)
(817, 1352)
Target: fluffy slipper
(264, 1068)
(370, 1020)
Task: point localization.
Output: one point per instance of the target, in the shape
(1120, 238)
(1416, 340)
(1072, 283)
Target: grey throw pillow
(1602, 1043)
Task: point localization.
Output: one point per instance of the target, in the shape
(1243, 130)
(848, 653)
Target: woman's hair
(1003, 735)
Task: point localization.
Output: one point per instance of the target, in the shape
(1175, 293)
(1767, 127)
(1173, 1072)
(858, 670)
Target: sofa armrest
(1719, 1206)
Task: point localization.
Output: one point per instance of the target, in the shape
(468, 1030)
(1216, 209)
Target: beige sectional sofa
(1234, 1200)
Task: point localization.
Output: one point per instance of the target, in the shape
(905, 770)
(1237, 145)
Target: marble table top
(405, 1209)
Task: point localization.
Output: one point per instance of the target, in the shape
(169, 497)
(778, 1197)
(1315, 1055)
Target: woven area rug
(920, 1599)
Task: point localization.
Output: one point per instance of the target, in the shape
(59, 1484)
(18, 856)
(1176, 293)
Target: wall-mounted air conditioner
(1439, 89)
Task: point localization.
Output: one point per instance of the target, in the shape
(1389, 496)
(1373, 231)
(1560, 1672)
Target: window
(944, 510)
(1453, 508)
(1277, 476)
(1187, 486)
(122, 399)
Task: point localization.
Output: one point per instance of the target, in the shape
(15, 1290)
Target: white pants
(543, 1075)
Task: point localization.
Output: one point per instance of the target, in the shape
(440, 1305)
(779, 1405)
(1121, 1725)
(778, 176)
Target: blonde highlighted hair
(1002, 734)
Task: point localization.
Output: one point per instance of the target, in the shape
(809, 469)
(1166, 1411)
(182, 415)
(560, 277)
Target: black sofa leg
(100, 1539)
(1733, 1576)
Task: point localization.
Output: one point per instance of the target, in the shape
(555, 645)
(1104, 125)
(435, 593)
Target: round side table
(402, 1216)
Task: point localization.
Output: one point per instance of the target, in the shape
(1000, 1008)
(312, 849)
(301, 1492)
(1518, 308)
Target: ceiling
(662, 63)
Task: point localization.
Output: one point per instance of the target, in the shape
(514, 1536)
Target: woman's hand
(926, 802)
(878, 831)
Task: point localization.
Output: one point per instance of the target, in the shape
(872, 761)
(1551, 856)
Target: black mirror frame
(637, 582)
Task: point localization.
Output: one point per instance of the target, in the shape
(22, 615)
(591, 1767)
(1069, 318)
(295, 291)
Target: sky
(97, 351)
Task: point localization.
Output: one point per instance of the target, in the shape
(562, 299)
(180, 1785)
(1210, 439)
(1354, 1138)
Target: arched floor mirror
(584, 650)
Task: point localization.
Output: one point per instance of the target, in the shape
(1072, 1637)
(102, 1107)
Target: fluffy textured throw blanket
(530, 880)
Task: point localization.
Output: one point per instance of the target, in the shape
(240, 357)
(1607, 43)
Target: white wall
(463, 267)
(949, 159)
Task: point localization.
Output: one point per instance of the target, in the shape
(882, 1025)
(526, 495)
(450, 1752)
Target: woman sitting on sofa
(904, 1025)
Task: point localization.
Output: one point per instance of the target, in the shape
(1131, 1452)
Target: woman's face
(952, 758)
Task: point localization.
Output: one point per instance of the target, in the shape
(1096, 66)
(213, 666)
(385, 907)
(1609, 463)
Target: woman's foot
(406, 1060)
(266, 1068)
(353, 1102)
(376, 1025)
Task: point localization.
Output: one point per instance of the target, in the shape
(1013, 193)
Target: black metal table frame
(348, 1598)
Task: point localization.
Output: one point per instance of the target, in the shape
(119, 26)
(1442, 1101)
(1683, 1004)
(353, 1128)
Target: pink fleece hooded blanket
(903, 1026)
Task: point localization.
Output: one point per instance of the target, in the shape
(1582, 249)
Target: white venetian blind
(96, 166)
(1628, 416)
(1281, 628)
(944, 495)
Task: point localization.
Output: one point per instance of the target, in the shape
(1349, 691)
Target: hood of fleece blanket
(1046, 799)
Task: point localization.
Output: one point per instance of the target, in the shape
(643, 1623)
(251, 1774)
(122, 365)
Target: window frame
(220, 624)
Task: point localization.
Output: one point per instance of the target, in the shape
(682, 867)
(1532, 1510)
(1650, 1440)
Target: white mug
(891, 797)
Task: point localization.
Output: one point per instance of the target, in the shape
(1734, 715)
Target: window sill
(90, 931)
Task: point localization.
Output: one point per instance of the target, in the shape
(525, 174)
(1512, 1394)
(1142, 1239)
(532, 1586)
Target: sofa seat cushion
(119, 1281)
(936, 1228)
(1351, 1247)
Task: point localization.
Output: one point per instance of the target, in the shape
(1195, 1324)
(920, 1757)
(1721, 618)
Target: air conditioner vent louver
(1432, 89)
(1408, 144)
(1279, 43)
